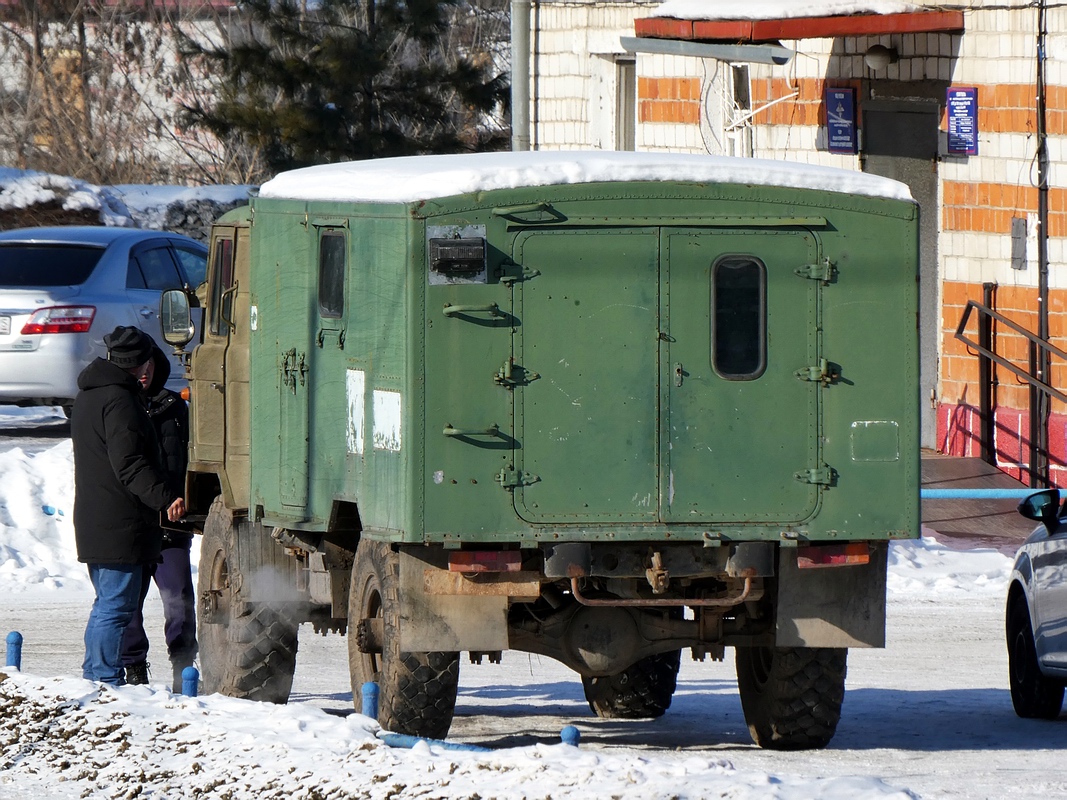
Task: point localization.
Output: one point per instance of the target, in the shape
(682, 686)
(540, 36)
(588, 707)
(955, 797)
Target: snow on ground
(907, 723)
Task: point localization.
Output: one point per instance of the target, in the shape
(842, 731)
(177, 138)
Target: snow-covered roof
(779, 9)
(415, 178)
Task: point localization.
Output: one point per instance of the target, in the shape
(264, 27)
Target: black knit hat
(128, 347)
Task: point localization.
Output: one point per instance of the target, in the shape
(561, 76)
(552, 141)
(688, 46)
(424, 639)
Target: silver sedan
(62, 289)
(1036, 614)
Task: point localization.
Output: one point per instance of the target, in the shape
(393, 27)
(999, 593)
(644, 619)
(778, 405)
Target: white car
(63, 289)
(1036, 614)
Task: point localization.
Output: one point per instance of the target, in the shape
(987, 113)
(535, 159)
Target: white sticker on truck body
(387, 407)
(355, 387)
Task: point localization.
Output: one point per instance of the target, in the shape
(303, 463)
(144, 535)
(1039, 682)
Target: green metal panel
(590, 327)
(597, 295)
(721, 464)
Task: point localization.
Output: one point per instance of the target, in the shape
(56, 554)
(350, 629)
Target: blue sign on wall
(841, 120)
(962, 111)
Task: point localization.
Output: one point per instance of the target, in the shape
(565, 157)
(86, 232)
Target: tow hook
(658, 577)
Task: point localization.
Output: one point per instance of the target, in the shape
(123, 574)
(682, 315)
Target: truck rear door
(675, 377)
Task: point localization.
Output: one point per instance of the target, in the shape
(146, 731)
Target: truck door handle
(492, 430)
(492, 309)
(679, 373)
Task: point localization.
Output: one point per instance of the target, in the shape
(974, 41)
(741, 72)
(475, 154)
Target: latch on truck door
(294, 368)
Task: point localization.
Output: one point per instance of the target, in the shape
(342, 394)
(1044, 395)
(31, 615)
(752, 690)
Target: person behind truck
(173, 575)
(119, 491)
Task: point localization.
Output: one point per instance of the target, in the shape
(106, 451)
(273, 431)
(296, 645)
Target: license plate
(5, 325)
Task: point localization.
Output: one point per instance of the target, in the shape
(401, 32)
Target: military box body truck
(603, 407)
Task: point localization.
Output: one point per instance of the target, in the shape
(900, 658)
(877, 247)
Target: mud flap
(832, 606)
(446, 622)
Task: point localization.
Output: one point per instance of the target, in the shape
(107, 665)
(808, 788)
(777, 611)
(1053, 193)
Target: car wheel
(1033, 695)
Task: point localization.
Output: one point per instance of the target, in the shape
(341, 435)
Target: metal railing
(1035, 377)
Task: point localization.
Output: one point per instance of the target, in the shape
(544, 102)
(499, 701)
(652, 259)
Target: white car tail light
(60, 319)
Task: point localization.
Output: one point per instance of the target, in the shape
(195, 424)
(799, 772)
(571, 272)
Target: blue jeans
(174, 579)
(118, 592)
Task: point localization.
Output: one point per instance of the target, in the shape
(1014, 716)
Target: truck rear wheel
(416, 691)
(247, 650)
(791, 696)
(1032, 694)
(641, 691)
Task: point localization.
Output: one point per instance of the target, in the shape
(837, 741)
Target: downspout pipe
(520, 75)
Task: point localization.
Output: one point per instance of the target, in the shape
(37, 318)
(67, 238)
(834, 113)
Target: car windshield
(46, 264)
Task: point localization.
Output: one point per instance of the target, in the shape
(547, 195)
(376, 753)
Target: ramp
(971, 523)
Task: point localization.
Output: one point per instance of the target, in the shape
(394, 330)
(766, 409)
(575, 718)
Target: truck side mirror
(175, 318)
(1043, 507)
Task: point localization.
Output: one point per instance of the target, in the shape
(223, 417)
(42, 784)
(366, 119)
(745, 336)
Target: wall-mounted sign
(841, 120)
(961, 108)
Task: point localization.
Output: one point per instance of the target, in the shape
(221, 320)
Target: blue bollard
(370, 699)
(407, 741)
(14, 650)
(570, 735)
(190, 681)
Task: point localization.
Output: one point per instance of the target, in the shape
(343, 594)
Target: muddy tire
(1032, 694)
(791, 696)
(247, 650)
(641, 691)
(416, 691)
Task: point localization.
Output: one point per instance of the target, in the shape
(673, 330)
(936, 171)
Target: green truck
(601, 407)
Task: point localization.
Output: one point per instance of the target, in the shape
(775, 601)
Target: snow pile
(779, 9)
(82, 739)
(188, 210)
(926, 567)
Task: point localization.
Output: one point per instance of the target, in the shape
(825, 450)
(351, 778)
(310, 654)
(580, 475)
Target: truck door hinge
(294, 369)
(819, 271)
(824, 372)
(511, 375)
(510, 478)
(820, 476)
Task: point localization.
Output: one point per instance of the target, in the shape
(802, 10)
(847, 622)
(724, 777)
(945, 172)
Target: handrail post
(1034, 467)
(985, 378)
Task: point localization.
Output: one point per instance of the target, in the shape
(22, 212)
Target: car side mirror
(1043, 507)
(175, 318)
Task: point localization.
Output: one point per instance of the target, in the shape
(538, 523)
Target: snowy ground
(928, 716)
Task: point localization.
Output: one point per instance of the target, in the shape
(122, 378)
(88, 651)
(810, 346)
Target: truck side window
(332, 274)
(221, 280)
(739, 317)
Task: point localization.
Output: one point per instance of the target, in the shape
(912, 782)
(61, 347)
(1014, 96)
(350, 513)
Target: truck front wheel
(791, 696)
(247, 649)
(416, 691)
(641, 691)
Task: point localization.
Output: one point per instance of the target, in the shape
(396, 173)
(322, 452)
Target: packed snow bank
(188, 210)
(92, 741)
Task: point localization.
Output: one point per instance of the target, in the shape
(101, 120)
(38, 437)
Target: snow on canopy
(414, 178)
(779, 9)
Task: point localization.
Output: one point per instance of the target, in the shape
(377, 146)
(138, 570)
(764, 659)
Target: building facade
(944, 99)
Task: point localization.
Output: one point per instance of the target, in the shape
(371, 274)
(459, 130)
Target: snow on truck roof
(414, 178)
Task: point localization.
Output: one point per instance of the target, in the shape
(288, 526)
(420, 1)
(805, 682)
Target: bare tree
(93, 90)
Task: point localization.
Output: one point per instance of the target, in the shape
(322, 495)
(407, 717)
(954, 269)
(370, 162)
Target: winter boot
(137, 674)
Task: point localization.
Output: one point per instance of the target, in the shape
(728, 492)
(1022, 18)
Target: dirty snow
(779, 9)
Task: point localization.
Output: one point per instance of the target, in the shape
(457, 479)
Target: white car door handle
(146, 313)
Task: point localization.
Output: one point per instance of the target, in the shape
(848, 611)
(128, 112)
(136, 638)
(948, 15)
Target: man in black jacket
(173, 575)
(119, 491)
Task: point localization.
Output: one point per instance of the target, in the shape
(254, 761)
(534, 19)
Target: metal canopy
(743, 53)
